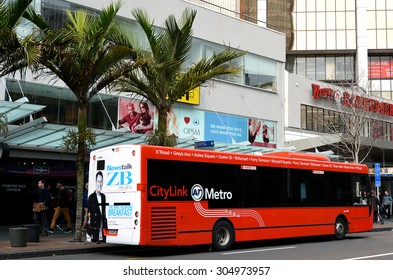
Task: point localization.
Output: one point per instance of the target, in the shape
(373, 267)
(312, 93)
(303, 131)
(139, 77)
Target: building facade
(41, 112)
(333, 44)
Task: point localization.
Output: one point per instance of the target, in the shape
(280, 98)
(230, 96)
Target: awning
(18, 109)
(39, 135)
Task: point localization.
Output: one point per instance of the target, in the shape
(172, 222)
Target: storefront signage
(191, 97)
(380, 69)
(41, 169)
(357, 101)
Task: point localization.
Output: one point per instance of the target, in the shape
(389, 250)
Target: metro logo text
(212, 194)
(198, 193)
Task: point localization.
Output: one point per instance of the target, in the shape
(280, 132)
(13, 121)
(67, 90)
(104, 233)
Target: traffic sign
(206, 145)
(377, 171)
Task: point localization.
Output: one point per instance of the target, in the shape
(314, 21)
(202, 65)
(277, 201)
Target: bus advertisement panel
(120, 171)
(171, 196)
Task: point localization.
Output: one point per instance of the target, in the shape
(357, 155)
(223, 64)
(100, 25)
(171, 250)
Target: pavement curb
(383, 229)
(59, 252)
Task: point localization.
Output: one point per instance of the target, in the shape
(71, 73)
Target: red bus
(166, 196)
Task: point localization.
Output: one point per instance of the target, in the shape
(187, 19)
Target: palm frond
(31, 15)
(159, 76)
(148, 28)
(180, 35)
(106, 18)
(15, 11)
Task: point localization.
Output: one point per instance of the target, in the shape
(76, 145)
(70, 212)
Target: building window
(328, 121)
(380, 74)
(62, 105)
(333, 20)
(326, 68)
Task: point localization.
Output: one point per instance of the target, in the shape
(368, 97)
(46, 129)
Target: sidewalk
(58, 243)
(61, 243)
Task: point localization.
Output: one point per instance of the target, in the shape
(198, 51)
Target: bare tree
(355, 116)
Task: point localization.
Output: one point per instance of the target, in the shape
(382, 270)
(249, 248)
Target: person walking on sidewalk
(377, 205)
(62, 208)
(42, 196)
(387, 203)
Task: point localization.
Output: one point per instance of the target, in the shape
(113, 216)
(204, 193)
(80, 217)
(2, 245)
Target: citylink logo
(198, 193)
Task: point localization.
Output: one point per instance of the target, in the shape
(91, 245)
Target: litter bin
(33, 232)
(18, 236)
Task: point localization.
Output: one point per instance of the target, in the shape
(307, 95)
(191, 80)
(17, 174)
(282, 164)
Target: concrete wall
(209, 25)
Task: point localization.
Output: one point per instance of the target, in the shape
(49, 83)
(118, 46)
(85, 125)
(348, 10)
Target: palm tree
(87, 55)
(3, 125)
(15, 52)
(160, 77)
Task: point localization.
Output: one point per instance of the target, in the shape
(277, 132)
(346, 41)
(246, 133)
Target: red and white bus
(166, 196)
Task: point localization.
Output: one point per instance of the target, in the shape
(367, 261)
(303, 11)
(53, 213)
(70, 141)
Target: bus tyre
(223, 236)
(340, 229)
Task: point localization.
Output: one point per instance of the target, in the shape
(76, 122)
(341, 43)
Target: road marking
(371, 256)
(261, 250)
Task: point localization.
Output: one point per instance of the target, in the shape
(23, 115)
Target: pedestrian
(63, 208)
(42, 201)
(85, 205)
(387, 203)
(54, 199)
(364, 198)
(376, 205)
(97, 210)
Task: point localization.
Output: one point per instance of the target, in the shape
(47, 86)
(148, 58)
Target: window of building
(323, 67)
(320, 68)
(311, 67)
(260, 72)
(380, 74)
(332, 20)
(62, 105)
(328, 121)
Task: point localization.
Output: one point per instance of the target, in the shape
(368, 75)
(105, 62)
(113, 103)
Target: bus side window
(298, 186)
(271, 183)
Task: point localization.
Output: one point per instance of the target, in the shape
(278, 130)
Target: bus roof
(275, 159)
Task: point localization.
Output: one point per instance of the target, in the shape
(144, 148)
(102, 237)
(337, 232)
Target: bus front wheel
(340, 229)
(223, 236)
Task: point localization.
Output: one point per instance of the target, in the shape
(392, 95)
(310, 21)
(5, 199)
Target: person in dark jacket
(42, 195)
(377, 205)
(97, 210)
(62, 208)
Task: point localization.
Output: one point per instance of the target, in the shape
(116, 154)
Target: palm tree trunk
(80, 169)
(162, 121)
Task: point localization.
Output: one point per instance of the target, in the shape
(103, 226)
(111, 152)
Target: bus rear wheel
(340, 229)
(223, 236)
